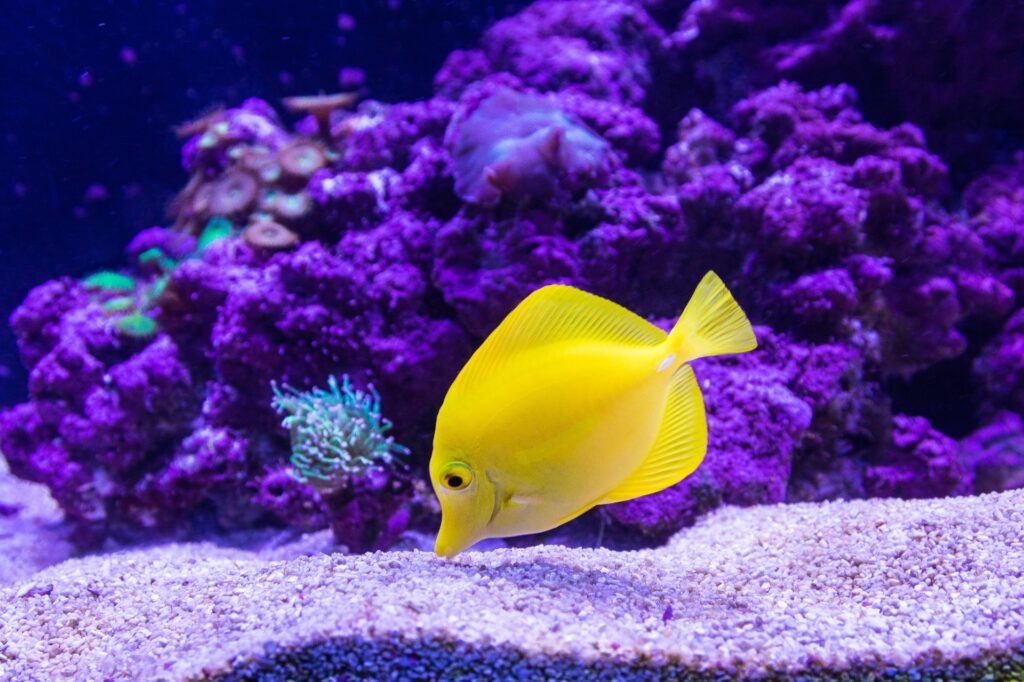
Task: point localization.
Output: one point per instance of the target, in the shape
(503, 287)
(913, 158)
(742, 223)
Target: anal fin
(679, 446)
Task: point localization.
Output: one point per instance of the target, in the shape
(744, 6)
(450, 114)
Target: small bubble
(96, 192)
(346, 22)
(350, 77)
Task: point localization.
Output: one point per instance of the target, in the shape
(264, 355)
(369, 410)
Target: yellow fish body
(574, 401)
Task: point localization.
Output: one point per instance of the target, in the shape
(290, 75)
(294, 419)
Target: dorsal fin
(679, 446)
(556, 313)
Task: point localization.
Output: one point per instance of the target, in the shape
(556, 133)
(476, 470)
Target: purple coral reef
(624, 147)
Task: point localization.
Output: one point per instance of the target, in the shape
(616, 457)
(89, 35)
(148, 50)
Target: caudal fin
(712, 324)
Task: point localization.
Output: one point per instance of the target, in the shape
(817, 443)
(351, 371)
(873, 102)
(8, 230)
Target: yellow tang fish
(574, 401)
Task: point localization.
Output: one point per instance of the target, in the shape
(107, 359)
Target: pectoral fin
(679, 446)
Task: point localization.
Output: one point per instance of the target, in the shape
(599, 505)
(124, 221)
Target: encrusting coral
(995, 453)
(835, 227)
(385, 241)
(954, 68)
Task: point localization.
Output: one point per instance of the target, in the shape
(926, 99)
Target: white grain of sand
(886, 584)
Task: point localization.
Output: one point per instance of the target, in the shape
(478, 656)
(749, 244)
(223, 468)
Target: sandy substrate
(863, 590)
(31, 537)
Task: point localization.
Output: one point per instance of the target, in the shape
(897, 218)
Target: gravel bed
(880, 589)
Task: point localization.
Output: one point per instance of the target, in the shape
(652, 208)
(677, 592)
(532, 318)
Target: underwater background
(89, 147)
(247, 248)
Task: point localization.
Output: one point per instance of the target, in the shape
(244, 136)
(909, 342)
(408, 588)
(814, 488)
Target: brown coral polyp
(233, 194)
(300, 160)
(270, 236)
(287, 207)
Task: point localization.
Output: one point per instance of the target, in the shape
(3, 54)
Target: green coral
(109, 281)
(137, 325)
(336, 434)
(218, 228)
(129, 301)
(119, 304)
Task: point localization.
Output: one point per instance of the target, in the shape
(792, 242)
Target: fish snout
(452, 539)
(445, 550)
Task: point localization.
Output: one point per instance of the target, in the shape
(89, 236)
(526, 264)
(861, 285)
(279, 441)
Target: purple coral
(995, 453)
(995, 203)
(386, 241)
(834, 225)
(602, 50)
(921, 462)
(99, 425)
(1000, 367)
(954, 68)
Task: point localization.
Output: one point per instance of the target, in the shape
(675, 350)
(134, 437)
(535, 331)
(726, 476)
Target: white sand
(884, 586)
(31, 538)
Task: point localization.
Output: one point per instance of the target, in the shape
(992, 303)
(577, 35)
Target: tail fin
(712, 324)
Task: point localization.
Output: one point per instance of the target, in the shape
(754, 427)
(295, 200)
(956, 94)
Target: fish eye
(457, 477)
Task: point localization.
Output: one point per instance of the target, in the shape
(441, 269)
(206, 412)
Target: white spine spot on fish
(667, 362)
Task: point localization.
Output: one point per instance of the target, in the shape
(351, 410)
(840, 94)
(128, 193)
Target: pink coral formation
(385, 241)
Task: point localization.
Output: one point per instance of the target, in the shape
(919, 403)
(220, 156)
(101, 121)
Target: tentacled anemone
(336, 434)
